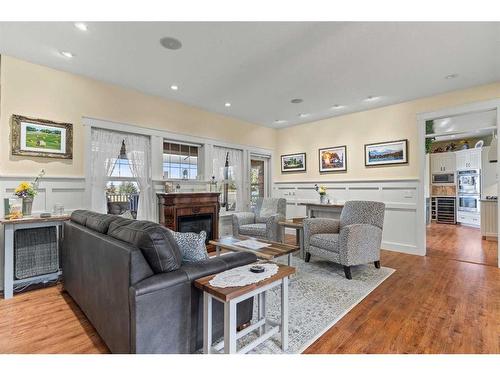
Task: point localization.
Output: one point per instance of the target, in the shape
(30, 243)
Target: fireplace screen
(196, 223)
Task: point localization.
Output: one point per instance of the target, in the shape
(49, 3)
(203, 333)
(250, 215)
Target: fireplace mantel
(174, 206)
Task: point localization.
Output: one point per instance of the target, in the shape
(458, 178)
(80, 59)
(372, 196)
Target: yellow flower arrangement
(320, 189)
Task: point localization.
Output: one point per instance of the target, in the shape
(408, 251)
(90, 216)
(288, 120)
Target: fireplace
(196, 223)
(190, 212)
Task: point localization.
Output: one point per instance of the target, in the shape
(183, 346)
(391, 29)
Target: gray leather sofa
(128, 279)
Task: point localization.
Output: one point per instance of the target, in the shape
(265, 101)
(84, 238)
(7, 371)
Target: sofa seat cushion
(258, 229)
(192, 245)
(328, 241)
(155, 242)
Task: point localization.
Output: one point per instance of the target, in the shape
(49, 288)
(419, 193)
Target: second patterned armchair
(263, 222)
(353, 240)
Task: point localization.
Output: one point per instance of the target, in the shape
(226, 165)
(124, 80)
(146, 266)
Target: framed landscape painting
(333, 159)
(293, 162)
(386, 153)
(43, 138)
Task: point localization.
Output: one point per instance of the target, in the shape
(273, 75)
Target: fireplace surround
(190, 212)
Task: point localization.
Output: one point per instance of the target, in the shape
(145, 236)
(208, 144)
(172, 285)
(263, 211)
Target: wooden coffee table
(272, 252)
(230, 297)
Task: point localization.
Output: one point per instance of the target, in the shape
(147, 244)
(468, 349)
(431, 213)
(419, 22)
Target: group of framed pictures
(334, 159)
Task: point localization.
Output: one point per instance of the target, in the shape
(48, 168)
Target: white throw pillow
(192, 245)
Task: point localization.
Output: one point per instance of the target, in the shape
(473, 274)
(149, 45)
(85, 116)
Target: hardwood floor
(460, 242)
(431, 304)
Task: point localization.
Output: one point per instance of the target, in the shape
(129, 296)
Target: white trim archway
(447, 112)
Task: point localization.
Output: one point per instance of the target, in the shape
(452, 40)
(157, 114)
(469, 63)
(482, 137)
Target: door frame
(482, 106)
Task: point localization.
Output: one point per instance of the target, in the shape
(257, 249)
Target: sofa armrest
(242, 218)
(359, 244)
(317, 226)
(273, 228)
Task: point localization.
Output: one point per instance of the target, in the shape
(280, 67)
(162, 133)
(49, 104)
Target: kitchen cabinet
(443, 162)
(469, 218)
(489, 219)
(468, 159)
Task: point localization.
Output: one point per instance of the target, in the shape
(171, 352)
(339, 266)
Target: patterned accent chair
(263, 221)
(353, 240)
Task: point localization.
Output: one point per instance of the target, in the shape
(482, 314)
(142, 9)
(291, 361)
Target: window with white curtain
(121, 171)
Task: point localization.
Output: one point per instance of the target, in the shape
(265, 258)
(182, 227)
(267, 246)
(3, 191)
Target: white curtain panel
(139, 153)
(105, 148)
(236, 162)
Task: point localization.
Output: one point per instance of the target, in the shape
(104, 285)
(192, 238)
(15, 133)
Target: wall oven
(443, 178)
(468, 203)
(469, 182)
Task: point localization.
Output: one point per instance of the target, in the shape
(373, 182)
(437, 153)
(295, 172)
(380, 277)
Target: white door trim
(446, 112)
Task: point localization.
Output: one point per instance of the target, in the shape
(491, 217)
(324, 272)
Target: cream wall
(37, 91)
(355, 130)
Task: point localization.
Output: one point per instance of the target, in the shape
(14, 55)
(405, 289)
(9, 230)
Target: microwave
(443, 178)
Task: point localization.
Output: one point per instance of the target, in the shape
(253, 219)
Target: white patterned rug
(319, 296)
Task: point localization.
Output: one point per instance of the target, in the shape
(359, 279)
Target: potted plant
(322, 193)
(27, 191)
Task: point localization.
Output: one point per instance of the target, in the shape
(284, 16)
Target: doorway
(459, 183)
(259, 178)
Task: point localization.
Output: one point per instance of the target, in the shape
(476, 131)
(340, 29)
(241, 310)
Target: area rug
(319, 296)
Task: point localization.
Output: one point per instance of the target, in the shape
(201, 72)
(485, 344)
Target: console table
(9, 227)
(323, 210)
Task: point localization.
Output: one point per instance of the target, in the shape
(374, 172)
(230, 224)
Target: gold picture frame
(41, 138)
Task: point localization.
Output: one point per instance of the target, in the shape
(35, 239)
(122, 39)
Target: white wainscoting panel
(400, 197)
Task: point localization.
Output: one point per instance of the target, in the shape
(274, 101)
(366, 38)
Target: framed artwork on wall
(293, 162)
(386, 153)
(41, 138)
(333, 159)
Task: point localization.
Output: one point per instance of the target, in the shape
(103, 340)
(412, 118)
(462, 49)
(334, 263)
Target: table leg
(217, 251)
(301, 243)
(297, 236)
(290, 260)
(207, 323)
(230, 327)
(8, 280)
(284, 313)
(261, 300)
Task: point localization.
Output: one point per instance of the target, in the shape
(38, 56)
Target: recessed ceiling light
(296, 101)
(279, 121)
(81, 26)
(304, 115)
(338, 106)
(227, 104)
(372, 98)
(451, 76)
(67, 54)
(174, 87)
(170, 43)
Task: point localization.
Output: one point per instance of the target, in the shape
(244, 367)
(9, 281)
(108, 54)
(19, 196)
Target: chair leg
(308, 257)
(377, 263)
(347, 271)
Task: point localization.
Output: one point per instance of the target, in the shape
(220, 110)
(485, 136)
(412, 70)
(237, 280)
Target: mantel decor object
(41, 138)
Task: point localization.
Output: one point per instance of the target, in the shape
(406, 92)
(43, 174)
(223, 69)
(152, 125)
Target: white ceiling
(260, 66)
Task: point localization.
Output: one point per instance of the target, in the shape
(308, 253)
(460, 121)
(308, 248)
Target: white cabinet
(469, 218)
(468, 159)
(443, 162)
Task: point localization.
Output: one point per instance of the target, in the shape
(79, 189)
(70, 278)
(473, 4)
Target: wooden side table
(9, 227)
(230, 298)
(299, 230)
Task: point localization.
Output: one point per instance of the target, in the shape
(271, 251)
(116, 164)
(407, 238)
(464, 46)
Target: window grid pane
(180, 161)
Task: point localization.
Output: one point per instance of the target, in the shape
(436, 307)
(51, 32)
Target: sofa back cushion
(93, 220)
(155, 242)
